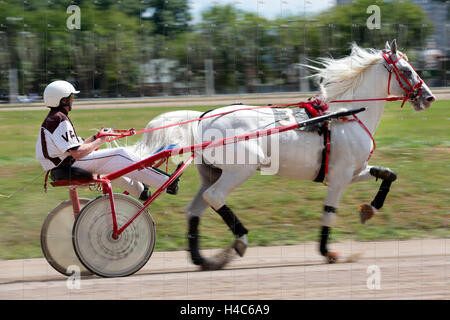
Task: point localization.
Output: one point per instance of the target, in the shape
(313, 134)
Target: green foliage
(236, 41)
(248, 49)
(403, 20)
(170, 17)
(104, 55)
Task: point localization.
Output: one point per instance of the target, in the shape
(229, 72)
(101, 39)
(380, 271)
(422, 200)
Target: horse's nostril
(430, 99)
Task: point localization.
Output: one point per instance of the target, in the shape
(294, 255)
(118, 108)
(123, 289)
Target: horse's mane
(339, 76)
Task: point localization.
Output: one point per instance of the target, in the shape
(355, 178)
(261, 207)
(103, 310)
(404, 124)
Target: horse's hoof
(240, 245)
(366, 212)
(332, 257)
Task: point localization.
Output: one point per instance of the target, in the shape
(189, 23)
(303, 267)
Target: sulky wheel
(99, 251)
(56, 239)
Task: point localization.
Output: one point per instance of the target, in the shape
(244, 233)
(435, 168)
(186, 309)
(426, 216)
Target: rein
(120, 133)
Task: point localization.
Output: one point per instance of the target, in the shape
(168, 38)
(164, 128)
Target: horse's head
(408, 84)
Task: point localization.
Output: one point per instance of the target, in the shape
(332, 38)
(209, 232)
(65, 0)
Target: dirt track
(415, 269)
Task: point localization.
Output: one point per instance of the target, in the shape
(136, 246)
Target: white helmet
(57, 90)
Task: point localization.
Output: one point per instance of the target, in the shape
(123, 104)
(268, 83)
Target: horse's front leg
(337, 182)
(388, 176)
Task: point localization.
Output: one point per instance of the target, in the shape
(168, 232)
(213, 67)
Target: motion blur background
(142, 48)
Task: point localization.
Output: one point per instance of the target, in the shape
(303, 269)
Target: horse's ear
(388, 47)
(394, 46)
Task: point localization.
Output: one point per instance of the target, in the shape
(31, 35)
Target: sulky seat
(71, 177)
(70, 173)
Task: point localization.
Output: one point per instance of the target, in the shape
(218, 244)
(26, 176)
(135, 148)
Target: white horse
(364, 74)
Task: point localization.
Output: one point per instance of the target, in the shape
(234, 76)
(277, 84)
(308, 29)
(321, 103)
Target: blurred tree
(170, 17)
(402, 20)
(219, 31)
(239, 44)
(297, 38)
(133, 8)
(11, 20)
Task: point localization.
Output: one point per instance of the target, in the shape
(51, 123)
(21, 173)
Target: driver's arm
(87, 147)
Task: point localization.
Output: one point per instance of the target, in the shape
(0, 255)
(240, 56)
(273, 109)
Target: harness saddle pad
(285, 116)
(308, 111)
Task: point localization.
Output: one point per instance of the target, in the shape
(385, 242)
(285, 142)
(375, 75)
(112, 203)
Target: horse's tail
(178, 135)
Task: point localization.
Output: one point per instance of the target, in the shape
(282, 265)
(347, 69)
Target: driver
(58, 145)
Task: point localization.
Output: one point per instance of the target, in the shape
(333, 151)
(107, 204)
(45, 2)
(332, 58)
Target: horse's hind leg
(208, 175)
(217, 194)
(230, 179)
(221, 183)
(236, 226)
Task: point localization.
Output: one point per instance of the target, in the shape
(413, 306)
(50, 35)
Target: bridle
(411, 92)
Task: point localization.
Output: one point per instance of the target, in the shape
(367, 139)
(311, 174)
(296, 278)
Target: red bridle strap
(409, 92)
(362, 100)
(355, 118)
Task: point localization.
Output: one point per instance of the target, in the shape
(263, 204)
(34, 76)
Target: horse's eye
(407, 73)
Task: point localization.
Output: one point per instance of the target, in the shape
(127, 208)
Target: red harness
(355, 118)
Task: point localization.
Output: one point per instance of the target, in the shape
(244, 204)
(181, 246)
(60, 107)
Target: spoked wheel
(56, 239)
(93, 237)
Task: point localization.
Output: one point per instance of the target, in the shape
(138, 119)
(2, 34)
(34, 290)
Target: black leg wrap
(232, 221)
(329, 209)
(324, 234)
(384, 174)
(197, 259)
(378, 202)
(388, 176)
